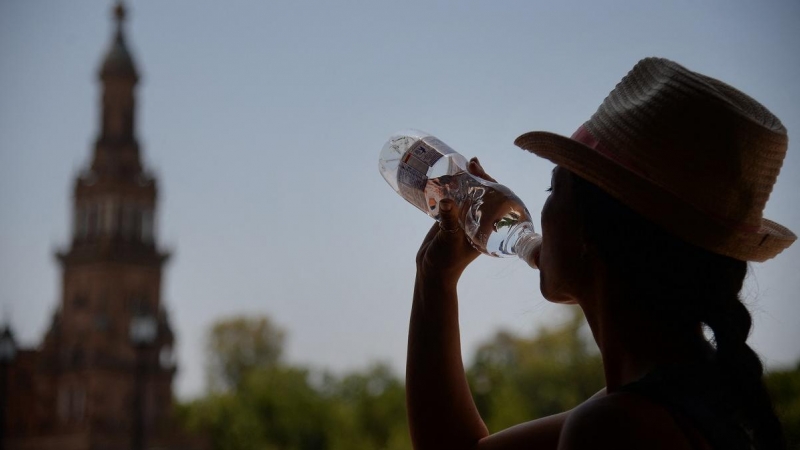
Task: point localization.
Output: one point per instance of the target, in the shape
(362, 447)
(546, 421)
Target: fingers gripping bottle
(424, 170)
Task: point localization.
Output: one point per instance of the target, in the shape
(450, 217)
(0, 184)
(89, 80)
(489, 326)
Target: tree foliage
(282, 407)
(257, 401)
(268, 404)
(784, 387)
(515, 379)
(238, 345)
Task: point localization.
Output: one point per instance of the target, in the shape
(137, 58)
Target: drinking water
(425, 170)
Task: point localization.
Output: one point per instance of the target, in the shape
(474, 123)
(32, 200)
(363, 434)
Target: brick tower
(102, 378)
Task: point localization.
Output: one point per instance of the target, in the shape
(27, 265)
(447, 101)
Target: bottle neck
(525, 243)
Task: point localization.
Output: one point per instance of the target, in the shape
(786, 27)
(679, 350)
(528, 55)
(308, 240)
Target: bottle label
(412, 172)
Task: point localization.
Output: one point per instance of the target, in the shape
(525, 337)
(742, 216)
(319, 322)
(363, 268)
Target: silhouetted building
(102, 378)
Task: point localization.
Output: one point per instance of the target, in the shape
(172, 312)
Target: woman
(656, 207)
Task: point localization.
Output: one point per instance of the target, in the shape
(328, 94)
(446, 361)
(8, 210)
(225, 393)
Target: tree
(259, 402)
(238, 345)
(267, 404)
(784, 388)
(373, 405)
(292, 413)
(225, 421)
(515, 379)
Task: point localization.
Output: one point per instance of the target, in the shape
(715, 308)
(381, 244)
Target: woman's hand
(446, 252)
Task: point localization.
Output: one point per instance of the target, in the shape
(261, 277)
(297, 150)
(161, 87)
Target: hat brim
(656, 203)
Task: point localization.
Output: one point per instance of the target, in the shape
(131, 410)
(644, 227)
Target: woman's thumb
(474, 167)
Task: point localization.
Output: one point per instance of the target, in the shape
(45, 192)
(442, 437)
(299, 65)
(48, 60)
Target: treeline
(258, 401)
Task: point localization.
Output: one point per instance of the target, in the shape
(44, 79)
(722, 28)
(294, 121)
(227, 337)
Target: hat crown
(704, 141)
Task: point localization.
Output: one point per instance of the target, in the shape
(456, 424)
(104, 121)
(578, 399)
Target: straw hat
(688, 152)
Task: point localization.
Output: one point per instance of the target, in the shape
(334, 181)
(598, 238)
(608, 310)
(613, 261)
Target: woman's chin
(558, 298)
(562, 301)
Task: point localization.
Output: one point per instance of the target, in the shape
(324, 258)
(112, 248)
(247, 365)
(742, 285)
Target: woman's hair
(682, 286)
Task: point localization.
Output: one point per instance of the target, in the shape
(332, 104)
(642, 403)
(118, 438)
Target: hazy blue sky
(263, 121)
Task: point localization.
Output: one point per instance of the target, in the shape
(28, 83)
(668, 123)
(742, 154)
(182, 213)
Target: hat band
(585, 137)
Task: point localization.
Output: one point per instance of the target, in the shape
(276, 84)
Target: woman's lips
(535, 257)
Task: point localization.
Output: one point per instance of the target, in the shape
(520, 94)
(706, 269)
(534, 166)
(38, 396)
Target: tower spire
(115, 197)
(118, 61)
(116, 151)
(119, 13)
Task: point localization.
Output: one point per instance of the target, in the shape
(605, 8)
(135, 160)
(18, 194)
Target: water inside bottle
(494, 219)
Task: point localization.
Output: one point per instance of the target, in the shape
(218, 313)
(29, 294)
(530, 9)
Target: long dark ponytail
(682, 286)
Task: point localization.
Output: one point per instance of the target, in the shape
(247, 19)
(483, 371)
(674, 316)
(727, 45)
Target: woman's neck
(633, 343)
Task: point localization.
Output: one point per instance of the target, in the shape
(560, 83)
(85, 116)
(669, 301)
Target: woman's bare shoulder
(621, 421)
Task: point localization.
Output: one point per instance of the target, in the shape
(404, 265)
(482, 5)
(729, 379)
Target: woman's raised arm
(441, 412)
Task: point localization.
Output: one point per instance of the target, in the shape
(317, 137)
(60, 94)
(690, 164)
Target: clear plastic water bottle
(425, 170)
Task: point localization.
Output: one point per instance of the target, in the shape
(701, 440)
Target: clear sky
(263, 121)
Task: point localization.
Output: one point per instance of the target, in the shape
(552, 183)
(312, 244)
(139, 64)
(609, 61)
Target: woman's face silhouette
(563, 260)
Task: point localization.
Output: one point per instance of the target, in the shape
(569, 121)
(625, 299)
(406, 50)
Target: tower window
(71, 402)
(92, 220)
(136, 222)
(101, 217)
(128, 214)
(80, 301)
(147, 225)
(101, 322)
(107, 212)
(80, 222)
(139, 305)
